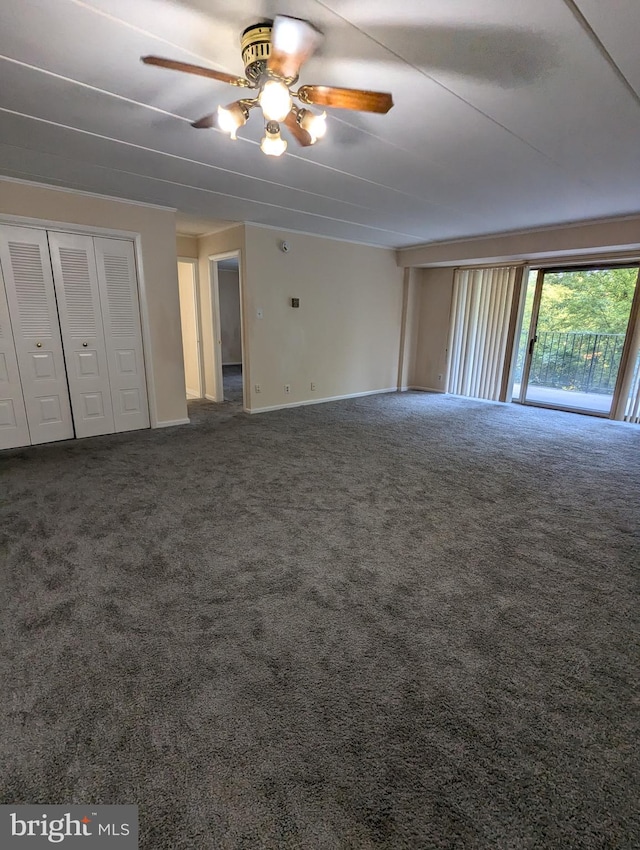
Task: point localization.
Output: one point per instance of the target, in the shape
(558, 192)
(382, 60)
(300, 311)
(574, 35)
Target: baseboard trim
(235, 363)
(427, 390)
(210, 397)
(320, 400)
(169, 423)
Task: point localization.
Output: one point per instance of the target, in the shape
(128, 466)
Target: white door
(13, 415)
(76, 283)
(24, 256)
(118, 288)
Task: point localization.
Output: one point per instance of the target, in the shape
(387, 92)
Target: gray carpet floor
(232, 383)
(401, 621)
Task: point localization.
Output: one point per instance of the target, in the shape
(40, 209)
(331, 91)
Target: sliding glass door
(572, 346)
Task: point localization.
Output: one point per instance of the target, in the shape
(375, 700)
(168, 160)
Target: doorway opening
(190, 321)
(573, 344)
(227, 326)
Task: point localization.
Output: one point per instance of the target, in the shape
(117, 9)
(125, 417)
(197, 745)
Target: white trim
(427, 390)
(226, 255)
(239, 362)
(85, 193)
(211, 398)
(145, 327)
(170, 423)
(320, 400)
(214, 290)
(216, 328)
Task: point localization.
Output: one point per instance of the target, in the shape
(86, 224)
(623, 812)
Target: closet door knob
(84, 344)
(38, 345)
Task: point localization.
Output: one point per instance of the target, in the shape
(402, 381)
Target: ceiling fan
(273, 53)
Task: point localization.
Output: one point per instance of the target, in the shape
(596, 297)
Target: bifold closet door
(118, 286)
(76, 282)
(14, 430)
(24, 256)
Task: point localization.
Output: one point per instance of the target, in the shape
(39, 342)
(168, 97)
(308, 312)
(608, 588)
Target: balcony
(571, 369)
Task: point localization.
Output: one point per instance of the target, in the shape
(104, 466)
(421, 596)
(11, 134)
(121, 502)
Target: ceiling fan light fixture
(275, 100)
(315, 125)
(231, 117)
(273, 144)
(273, 52)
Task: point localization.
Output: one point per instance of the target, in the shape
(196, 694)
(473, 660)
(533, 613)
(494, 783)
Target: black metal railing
(582, 361)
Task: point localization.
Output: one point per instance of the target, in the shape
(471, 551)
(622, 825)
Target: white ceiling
(508, 114)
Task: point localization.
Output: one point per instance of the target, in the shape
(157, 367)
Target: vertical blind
(480, 316)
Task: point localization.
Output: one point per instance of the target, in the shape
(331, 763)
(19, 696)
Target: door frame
(616, 410)
(531, 336)
(216, 339)
(193, 262)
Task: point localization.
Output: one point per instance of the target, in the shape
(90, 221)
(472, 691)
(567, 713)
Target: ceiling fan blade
(187, 68)
(301, 136)
(293, 41)
(363, 101)
(205, 123)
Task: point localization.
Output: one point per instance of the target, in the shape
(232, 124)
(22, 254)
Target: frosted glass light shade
(231, 118)
(275, 100)
(315, 125)
(273, 144)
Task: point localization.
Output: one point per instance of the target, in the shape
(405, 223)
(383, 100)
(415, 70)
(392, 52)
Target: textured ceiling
(508, 114)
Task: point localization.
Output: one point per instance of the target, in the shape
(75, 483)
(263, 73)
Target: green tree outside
(579, 301)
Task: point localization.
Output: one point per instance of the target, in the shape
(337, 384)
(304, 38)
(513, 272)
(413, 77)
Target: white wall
(230, 331)
(188, 320)
(433, 307)
(345, 336)
(187, 246)
(159, 297)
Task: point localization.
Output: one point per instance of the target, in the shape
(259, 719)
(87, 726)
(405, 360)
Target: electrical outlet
(439, 377)
(313, 387)
(258, 388)
(287, 388)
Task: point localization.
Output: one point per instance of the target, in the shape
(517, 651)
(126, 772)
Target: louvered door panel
(76, 283)
(123, 336)
(14, 430)
(24, 256)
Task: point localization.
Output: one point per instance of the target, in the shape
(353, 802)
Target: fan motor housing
(256, 48)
